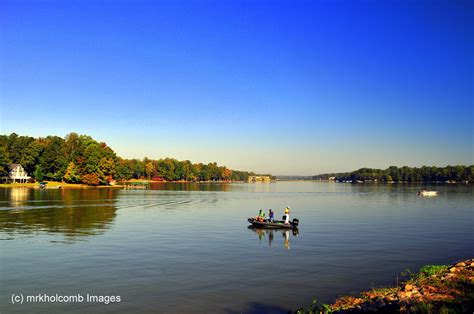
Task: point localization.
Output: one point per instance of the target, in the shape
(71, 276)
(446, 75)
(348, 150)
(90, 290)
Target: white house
(17, 174)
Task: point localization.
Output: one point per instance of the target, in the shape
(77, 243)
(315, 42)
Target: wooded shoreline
(458, 173)
(56, 184)
(81, 159)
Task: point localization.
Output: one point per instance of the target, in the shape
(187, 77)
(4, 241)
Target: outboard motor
(295, 222)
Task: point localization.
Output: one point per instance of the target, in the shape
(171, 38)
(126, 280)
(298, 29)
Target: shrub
(429, 270)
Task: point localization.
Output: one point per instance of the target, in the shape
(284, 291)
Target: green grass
(430, 270)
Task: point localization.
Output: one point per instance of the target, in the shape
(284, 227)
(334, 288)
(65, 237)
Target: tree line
(81, 159)
(457, 173)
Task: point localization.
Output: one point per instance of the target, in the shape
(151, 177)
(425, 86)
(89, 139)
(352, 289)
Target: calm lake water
(186, 247)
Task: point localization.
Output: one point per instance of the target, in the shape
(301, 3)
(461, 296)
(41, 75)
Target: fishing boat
(275, 224)
(427, 193)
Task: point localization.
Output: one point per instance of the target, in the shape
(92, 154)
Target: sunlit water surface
(186, 247)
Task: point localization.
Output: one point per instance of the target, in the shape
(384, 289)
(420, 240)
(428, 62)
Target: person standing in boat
(262, 215)
(270, 215)
(287, 215)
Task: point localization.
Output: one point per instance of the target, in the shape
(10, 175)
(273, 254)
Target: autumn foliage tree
(90, 179)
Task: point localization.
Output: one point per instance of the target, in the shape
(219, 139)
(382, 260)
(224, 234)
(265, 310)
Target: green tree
(123, 169)
(138, 168)
(52, 160)
(187, 170)
(106, 169)
(4, 159)
(149, 169)
(38, 174)
(72, 175)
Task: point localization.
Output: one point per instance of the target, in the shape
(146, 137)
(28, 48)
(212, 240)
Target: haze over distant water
(288, 87)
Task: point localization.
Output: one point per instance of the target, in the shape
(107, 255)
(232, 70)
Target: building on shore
(259, 179)
(16, 174)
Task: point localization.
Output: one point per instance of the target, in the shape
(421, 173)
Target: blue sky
(286, 87)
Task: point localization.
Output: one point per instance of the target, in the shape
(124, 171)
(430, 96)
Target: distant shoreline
(373, 182)
(63, 185)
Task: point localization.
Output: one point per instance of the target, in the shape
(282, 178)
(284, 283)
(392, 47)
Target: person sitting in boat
(287, 215)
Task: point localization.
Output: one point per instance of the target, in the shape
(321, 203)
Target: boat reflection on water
(263, 233)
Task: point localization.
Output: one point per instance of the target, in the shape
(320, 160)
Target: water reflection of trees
(18, 195)
(269, 234)
(70, 212)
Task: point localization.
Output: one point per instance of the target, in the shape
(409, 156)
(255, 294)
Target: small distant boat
(276, 224)
(427, 193)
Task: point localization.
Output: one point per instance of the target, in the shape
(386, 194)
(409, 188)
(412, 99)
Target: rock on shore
(434, 289)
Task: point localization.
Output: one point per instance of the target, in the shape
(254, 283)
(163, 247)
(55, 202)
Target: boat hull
(271, 225)
(427, 193)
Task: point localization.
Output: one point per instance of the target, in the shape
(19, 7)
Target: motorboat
(275, 224)
(427, 193)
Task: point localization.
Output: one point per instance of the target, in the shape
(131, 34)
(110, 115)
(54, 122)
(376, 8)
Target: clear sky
(286, 87)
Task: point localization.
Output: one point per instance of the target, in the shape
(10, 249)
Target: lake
(178, 248)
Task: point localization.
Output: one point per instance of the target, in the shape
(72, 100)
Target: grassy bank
(435, 289)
